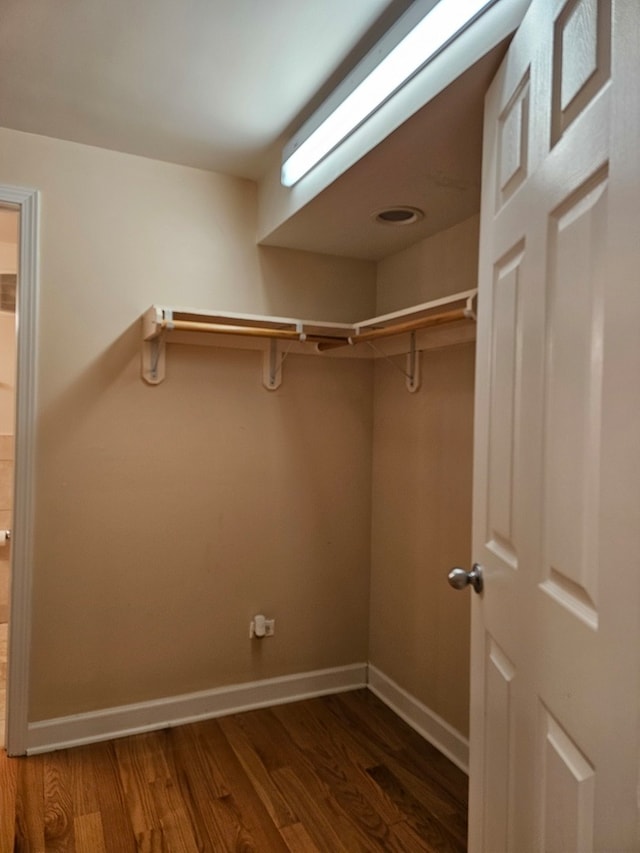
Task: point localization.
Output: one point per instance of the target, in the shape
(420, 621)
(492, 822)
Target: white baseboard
(63, 732)
(432, 727)
(78, 729)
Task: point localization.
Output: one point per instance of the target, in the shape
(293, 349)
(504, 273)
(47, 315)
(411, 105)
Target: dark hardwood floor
(336, 773)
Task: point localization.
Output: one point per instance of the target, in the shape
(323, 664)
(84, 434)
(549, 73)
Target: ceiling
(221, 84)
(206, 83)
(432, 163)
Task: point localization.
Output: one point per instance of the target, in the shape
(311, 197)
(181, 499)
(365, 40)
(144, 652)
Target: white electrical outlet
(269, 629)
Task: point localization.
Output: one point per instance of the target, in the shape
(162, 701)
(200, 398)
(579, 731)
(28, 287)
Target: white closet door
(556, 633)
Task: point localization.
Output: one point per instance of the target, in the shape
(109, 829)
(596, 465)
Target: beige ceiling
(432, 162)
(206, 83)
(221, 84)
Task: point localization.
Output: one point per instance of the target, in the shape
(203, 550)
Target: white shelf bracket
(470, 309)
(413, 367)
(272, 360)
(154, 360)
(154, 344)
(154, 348)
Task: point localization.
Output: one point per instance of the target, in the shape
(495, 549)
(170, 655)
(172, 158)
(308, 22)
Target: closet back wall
(167, 516)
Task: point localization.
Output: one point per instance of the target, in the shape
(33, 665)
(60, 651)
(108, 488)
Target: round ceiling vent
(398, 215)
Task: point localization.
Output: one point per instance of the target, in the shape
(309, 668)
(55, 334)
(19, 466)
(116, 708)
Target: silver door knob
(459, 578)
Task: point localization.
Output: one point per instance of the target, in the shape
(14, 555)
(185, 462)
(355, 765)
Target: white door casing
(26, 201)
(555, 686)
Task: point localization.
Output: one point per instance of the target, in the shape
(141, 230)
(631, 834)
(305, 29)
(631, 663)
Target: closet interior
(379, 479)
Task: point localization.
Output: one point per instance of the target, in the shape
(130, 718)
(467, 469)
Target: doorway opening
(9, 236)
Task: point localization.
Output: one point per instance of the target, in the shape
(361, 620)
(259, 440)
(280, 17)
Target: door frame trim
(27, 201)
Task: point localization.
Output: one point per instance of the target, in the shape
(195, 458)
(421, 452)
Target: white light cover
(440, 25)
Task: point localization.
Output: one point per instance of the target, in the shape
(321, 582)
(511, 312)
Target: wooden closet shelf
(160, 322)
(159, 319)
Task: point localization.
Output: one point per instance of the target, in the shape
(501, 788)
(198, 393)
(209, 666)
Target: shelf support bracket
(272, 360)
(154, 360)
(470, 310)
(413, 366)
(154, 344)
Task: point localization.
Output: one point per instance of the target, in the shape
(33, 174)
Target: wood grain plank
(417, 776)
(360, 711)
(201, 786)
(348, 826)
(335, 773)
(313, 811)
(427, 826)
(281, 814)
(385, 734)
(84, 783)
(102, 765)
(327, 750)
(409, 840)
(359, 749)
(8, 795)
(203, 779)
(298, 840)
(89, 834)
(276, 750)
(58, 803)
(169, 807)
(187, 744)
(254, 815)
(438, 801)
(269, 739)
(138, 766)
(215, 820)
(414, 749)
(231, 832)
(30, 805)
(175, 824)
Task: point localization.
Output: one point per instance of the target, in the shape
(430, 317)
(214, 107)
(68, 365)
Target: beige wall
(7, 372)
(9, 229)
(166, 517)
(421, 505)
(8, 257)
(8, 264)
(438, 266)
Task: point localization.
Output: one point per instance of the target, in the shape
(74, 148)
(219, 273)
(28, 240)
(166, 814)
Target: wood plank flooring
(336, 773)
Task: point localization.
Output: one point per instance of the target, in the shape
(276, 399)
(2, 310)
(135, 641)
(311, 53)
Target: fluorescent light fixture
(437, 28)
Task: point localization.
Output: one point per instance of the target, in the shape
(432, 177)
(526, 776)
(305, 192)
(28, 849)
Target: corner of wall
(440, 265)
